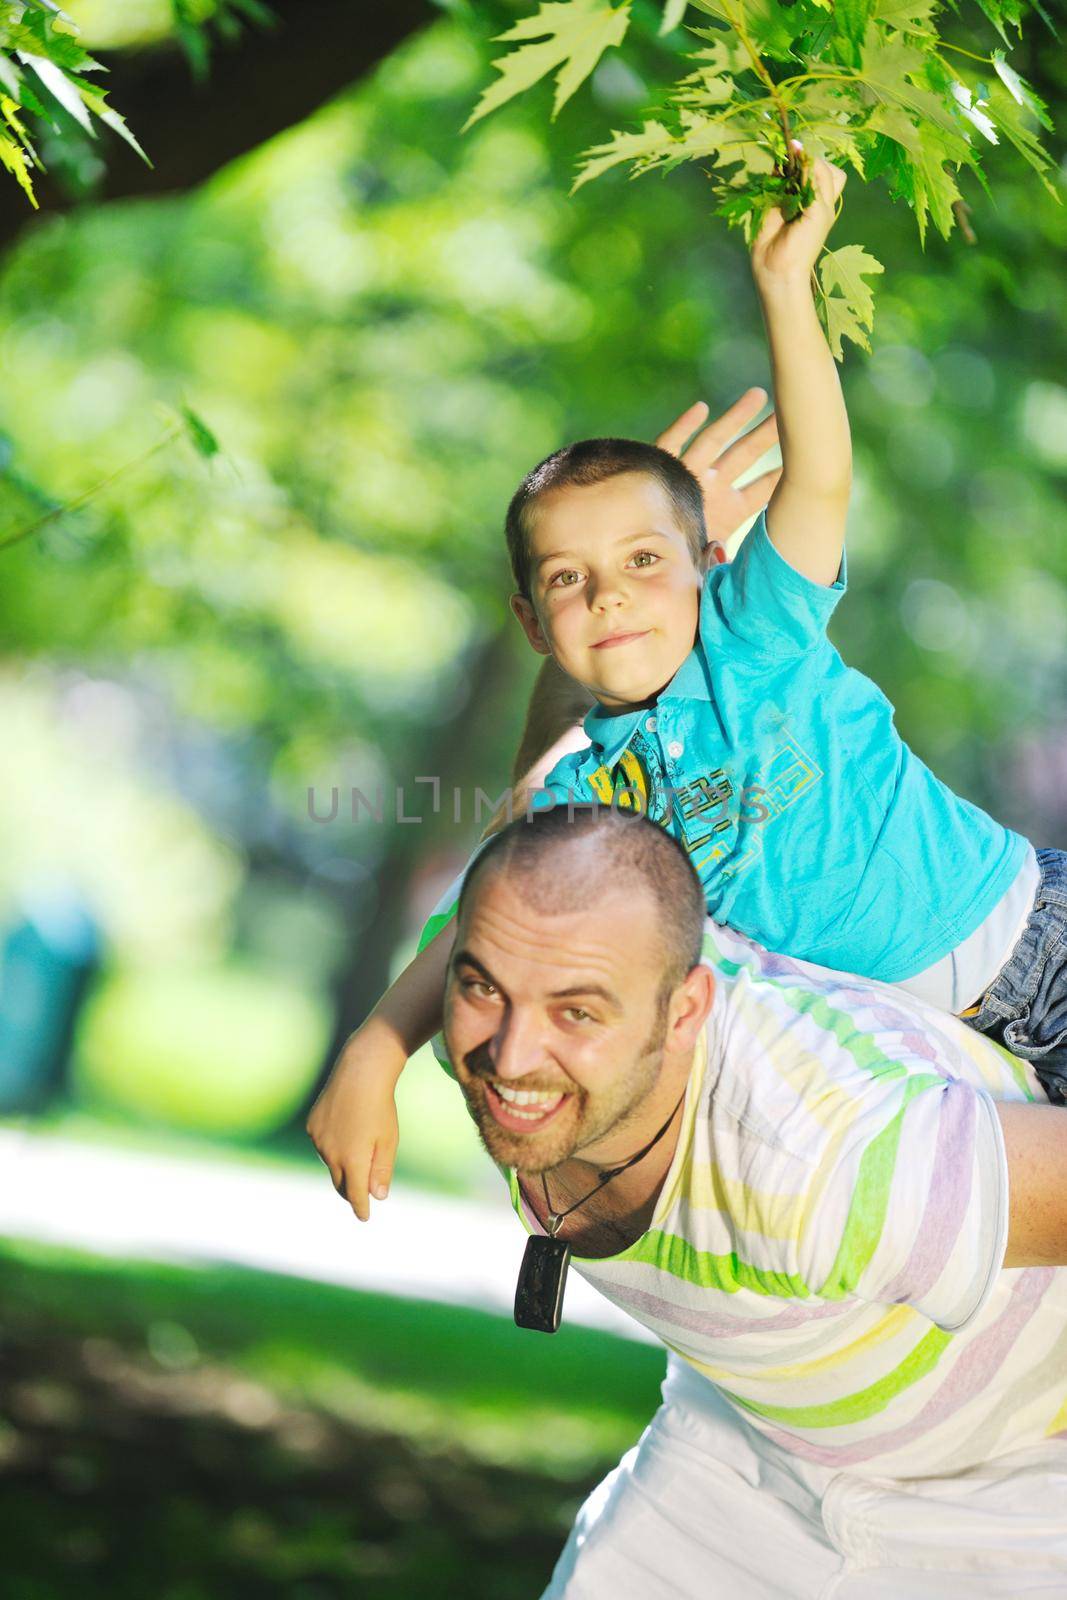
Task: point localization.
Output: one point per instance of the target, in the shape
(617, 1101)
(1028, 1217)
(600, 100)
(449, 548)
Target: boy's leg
(1025, 1008)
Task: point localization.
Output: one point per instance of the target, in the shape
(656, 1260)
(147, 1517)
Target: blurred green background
(384, 325)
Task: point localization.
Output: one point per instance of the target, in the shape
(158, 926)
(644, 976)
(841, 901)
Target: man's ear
(690, 1005)
(528, 622)
(713, 555)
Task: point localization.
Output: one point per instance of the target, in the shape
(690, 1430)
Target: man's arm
(806, 516)
(1035, 1138)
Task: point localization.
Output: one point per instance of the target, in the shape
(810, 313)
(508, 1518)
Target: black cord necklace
(543, 1274)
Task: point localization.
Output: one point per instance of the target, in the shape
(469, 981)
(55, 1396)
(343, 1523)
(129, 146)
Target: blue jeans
(1025, 1007)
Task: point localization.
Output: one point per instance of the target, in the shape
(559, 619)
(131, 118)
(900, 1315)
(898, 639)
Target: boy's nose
(606, 596)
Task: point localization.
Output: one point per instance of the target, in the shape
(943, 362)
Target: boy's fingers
(744, 451)
(712, 440)
(381, 1170)
(674, 437)
(829, 180)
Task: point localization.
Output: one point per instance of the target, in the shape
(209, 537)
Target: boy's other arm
(1035, 1138)
(353, 1122)
(807, 512)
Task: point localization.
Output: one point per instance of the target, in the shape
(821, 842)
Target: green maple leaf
(824, 113)
(889, 65)
(907, 16)
(846, 271)
(1001, 12)
(673, 12)
(845, 302)
(770, 26)
(651, 147)
(1009, 119)
(1020, 90)
(934, 187)
(573, 36)
(13, 158)
(724, 53)
(852, 17)
(841, 322)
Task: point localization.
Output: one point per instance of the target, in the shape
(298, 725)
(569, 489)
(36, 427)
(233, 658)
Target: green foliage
(870, 84)
(197, 22)
(570, 35)
(232, 1050)
(42, 71)
(187, 425)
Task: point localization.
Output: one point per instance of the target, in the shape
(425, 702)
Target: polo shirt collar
(611, 732)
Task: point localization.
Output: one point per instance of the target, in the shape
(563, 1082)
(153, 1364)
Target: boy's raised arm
(806, 515)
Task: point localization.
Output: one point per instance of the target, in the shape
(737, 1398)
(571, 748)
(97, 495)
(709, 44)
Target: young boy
(723, 711)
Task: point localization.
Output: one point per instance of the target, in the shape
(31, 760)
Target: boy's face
(614, 586)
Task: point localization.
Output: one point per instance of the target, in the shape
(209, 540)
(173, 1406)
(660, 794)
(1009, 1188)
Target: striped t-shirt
(827, 1245)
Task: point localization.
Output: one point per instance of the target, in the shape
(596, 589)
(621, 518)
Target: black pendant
(542, 1278)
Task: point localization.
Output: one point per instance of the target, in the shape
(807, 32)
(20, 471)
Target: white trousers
(705, 1508)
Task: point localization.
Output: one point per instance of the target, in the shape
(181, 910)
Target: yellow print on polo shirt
(716, 821)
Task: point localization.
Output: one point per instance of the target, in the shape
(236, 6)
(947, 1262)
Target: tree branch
(268, 80)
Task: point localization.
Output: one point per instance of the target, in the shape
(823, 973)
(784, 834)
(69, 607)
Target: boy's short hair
(592, 461)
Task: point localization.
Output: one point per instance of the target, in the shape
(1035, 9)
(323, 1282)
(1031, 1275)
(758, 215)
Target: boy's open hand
(785, 253)
(717, 464)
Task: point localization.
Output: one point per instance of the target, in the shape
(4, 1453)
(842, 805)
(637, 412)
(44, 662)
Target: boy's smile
(615, 592)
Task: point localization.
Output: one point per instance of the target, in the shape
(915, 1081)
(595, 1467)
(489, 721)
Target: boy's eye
(565, 579)
(644, 558)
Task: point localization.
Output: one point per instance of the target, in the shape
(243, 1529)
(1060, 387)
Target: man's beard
(579, 1122)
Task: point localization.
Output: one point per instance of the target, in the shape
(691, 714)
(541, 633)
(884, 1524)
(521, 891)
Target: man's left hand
(717, 464)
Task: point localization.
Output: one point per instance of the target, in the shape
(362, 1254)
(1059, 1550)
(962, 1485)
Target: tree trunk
(455, 753)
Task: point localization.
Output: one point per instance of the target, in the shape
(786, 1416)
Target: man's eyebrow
(577, 991)
(463, 958)
(630, 538)
(582, 991)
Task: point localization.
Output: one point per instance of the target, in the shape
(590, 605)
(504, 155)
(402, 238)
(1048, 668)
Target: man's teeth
(544, 1101)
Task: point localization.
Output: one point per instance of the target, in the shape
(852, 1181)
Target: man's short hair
(592, 461)
(544, 851)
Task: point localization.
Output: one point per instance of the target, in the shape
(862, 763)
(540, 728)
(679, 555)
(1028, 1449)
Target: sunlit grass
(441, 1376)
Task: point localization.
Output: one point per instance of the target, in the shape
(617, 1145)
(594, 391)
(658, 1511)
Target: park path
(133, 1204)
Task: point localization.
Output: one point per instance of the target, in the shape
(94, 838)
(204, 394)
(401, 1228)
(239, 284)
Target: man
(843, 1216)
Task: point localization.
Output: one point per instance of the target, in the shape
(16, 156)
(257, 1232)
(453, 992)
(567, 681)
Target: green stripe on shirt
(864, 1403)
(870, 1197)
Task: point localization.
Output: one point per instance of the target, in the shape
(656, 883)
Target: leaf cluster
(874, 85)
(43, 71)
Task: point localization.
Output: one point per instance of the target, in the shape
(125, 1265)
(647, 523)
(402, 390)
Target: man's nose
(519, 1047)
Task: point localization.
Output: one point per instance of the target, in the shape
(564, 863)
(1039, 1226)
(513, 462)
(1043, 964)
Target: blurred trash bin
(49, 956)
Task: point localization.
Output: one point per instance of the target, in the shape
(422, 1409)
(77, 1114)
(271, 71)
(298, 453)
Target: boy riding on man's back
(723, 711)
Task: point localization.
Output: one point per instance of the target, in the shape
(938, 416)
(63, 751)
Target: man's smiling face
(555, 1026)
(615, 588)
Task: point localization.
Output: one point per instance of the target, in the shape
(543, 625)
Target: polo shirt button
(650, 724)
(675, 748)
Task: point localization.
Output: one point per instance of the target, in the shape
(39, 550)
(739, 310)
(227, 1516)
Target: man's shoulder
(803, 1047)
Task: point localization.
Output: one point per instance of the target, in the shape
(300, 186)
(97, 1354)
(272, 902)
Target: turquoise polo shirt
(813, 828)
